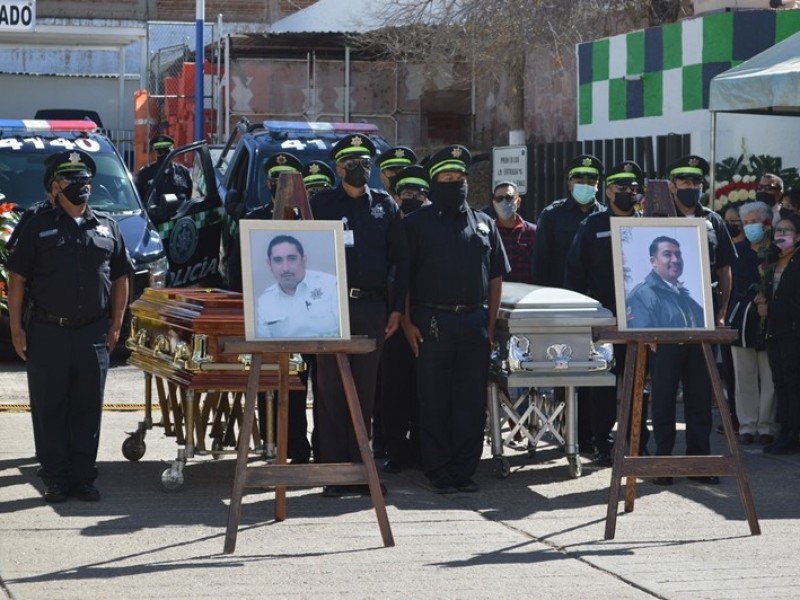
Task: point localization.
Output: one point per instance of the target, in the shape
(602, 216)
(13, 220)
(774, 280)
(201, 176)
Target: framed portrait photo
(294, 280)
(662, 278)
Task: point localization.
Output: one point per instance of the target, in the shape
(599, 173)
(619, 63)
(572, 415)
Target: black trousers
(452, 380)
(673, 364)
(784, 362)
(66, 378)
(398, 398)
(337, 441)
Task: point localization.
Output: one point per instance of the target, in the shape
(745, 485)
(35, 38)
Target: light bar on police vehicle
(47, 125)
(320, 127)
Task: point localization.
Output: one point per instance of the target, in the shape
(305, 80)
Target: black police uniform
(379, 244)
(69, 269)
(454, 254)
(176, 180)
(684, 363)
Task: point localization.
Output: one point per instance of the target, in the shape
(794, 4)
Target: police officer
(555, 230)
(398, 395)
(177, 179)
(374, 245)
(457, 262)
(391, 162)
(317, 176)
(674, 364)
(74, 263)
(590, 271)
(299, 449)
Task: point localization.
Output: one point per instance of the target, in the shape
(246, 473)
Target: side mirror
(164, 207)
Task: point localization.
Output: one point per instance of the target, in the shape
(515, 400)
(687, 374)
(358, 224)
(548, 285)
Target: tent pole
(712, 204)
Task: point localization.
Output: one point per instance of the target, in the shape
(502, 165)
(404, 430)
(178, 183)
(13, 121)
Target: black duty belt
(69, 323)
(453, 308)
(359, 294)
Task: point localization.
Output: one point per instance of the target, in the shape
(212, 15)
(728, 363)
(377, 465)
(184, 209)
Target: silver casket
(544, 340)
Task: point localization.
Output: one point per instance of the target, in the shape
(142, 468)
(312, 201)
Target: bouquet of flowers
(8, 220)
(741, 188)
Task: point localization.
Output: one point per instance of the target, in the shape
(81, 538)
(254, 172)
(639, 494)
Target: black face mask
(357, 177)
(766, 198)
(76, 193)
(409, 205)
(733, 229)
(690, 197)
(449, 195)
(624, 201)
(785, 212)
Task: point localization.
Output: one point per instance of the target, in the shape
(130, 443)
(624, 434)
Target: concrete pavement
(537, 534)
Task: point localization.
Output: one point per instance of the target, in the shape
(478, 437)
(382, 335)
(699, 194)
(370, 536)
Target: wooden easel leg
(283, 431)
(636, 420)
(727, 427)
(623, 419)
(239, 478)
(363, 446)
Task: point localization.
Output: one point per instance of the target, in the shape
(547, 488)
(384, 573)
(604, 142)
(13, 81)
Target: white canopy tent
(767, 84)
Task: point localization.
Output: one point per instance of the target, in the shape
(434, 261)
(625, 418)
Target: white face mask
(505, 209)
(583, 193)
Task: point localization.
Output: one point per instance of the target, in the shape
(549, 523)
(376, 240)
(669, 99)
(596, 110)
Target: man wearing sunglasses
(76, 268)
(590, 271)
(517, 234)
(770, 191)
(374, 246)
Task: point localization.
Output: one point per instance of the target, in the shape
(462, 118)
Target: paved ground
(537, 534)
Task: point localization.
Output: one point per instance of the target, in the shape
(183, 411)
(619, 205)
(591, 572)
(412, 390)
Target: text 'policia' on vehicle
(24, 146)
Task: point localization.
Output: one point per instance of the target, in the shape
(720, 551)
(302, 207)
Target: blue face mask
(754, 232)
(583, 193)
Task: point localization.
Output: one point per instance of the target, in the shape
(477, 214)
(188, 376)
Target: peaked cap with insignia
(585, 165)
(354, 145)
(450, 158)
(317, 172)
(282, 162)
(397, 157)
(688, 167)
(412, 177)
(625, 173)
(161, 142)
(73, 163)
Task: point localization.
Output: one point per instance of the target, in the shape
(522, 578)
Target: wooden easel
(281, 474)
(633, 465)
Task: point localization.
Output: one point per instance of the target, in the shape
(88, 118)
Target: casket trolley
(174, 340)
(544, 340)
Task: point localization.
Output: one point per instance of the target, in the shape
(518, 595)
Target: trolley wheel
(133, 448)
(170, 480)
(575, 466)
(216, 449)
(503, 467)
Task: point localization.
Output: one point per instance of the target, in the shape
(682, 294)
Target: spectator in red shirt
(517, 234)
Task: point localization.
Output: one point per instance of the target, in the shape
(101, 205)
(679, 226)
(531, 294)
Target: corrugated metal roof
(335, 16)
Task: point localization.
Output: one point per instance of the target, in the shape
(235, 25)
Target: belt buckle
(459, 308)
(354, 293)
(62, 321)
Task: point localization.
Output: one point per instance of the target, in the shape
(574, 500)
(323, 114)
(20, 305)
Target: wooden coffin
(175, 334)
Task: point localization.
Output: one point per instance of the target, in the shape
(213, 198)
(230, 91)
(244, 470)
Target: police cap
(415, 177)
(318, 173)
(353, 146)
(688, 167)
(451, 158)
(73, 163)
(161, 142)
(397, 157)
(282, 162)
(585, 165)
(625, 173)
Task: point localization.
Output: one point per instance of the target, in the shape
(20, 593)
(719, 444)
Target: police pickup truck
(239, 168)
(24, 145)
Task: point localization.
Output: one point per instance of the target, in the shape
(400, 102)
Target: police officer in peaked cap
(674, 364)
(456, 265)
(69, 266)
(391, 162)
(177, 179)
(318, 176)
(375, 247)
(590, 271)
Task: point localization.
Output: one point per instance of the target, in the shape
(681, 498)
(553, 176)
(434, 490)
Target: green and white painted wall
(655, 81)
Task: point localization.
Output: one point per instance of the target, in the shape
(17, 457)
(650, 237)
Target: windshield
(22, 173)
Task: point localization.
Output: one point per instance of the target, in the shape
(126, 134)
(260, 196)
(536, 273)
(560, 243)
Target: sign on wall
(17, 15)
(510, 163)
